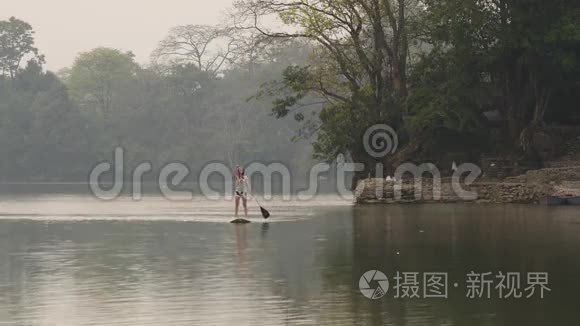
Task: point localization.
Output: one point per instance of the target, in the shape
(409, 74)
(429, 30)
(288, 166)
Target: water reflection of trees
(303, 271)
(459, 239)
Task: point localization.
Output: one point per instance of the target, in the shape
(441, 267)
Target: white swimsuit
(241, 187)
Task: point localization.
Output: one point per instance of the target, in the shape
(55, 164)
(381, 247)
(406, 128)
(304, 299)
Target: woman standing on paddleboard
(242, 188)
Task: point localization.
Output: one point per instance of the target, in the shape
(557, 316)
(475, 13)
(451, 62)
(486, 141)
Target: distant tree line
(189, 105)
(483, 75)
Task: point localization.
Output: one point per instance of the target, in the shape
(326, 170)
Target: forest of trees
(193, 107)
(329, 70)
(431, 69)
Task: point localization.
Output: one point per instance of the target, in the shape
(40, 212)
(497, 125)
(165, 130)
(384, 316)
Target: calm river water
(73, 260)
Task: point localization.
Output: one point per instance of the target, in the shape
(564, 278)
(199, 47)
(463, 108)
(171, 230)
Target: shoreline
(543, 186)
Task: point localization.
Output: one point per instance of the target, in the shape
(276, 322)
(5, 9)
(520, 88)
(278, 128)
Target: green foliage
(509, 56)
(336, 135)
(96, 76)
(357, 67)
(16, 43)
(427, 67)
(446, 94)
(466, 58)
(294, 87)
(41, 131)
(160, 114)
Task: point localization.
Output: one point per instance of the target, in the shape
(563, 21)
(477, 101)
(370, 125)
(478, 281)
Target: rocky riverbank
(530, 188)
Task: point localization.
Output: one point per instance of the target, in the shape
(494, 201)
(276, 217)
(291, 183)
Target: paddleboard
(240, 221)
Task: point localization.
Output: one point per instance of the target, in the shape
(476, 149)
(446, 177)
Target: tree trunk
(542, 98)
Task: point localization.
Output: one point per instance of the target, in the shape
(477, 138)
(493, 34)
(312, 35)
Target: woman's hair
(239, 172)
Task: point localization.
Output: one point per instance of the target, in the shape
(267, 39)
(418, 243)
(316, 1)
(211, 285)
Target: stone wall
(553, 175)
(510, 193)
(502, 167)
(529, 185)
(493, 192)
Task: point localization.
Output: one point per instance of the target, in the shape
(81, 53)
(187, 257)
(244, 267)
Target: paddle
(265, 213)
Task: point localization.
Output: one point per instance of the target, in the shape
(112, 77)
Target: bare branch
(208, 47)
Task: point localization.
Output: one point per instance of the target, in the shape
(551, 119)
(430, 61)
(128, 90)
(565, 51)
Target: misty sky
(66, 27)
